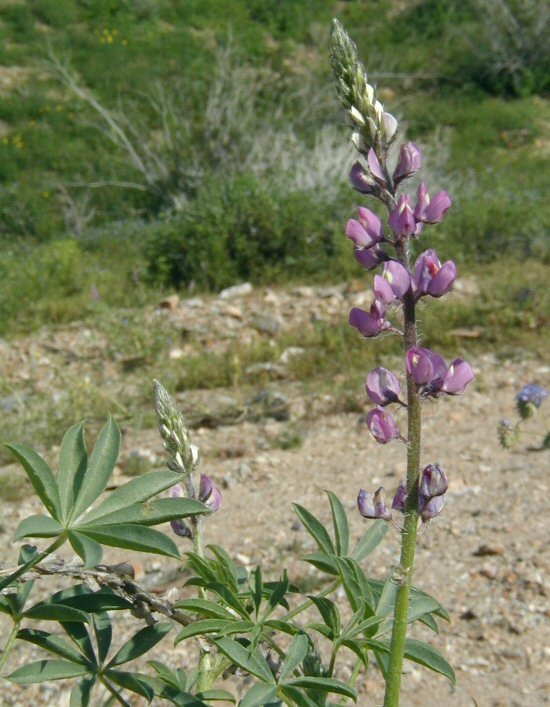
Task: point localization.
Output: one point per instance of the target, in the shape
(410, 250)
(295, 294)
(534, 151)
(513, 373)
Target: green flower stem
(403, 573)
(205, 664)
(9, 644)
(32, 563)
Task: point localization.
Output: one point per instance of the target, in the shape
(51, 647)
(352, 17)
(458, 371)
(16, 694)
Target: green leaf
(357, 648)
(41, 477)
(89, 550)
(340, 522)
(53, 644)
(100, 467)
(202, 627)
(370, 540)
(44, 670)
(325, 563)
(148, 513)
(79, 634)
(256, 587)
(386, 601)
(329, 612)
(102, 600)
(253, 663)
(428, 656)
(429, 621)
(227, 567)
(55, 612)
(140, 643)
(73, 462)
(261, 696)
(137, 490)
(315, 528)
(216, 695)
(298, 698)
(81, 693)
(205, 608)
(131, 681)
(323, 685)
(297, 651)
(279, 591)
(38, 526)
(133, 537)
(355, 583)
(103, 633)
(421, 604)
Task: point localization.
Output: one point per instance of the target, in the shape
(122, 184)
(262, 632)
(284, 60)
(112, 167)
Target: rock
(170, 302)
(489, 550)
(245, 288)
(233, 312)
(304, 291)
(291, 353)
(176, 354)
(266, 324)
(488, 571)
(244, 471)
(193, 303)
(274, 370)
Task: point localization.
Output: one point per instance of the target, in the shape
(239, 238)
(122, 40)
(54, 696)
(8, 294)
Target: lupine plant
(260, 637)
(528, 401)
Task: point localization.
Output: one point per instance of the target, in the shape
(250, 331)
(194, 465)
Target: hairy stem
(9, 644)
(205, 664)
(403, 573)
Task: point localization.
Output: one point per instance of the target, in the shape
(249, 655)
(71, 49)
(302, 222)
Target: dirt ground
(486, 558)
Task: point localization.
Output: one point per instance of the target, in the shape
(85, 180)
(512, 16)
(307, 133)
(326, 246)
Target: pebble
(245, 288)
(170, 302)
(266, 324)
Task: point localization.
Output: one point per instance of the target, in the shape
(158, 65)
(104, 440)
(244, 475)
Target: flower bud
(433, 482)
(383, 290)
(400, 498)
(209, 494)
(360, 180)
(431, 277)
(383, 387)
(369, 323)
(366, 231)
(370, 258)
(431, 508)
(422, 201)
(390, 126)
(508, 434)
(410, 161)
(375, 168)
(382, 425)
(457, 377)
(402, 218)
(397, 277)
(180, 529)
(426, 367)
(437, 208)
(373, 507)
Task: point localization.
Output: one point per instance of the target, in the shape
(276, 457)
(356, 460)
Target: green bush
(242, 230)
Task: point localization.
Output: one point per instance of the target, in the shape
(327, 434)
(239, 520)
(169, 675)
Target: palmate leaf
(53, 644)
(38, 526)
(251, 662)
(41, 477)
(90, 551)
(44, 670)
(73, 463)
(140, 643)
(315, 528)
(148, 513)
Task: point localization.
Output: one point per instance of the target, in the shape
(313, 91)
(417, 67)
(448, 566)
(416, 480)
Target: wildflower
(410, 161)
(382, 425)
(402, 218)
(370, 258)
(209, 494)
(426, 367)
(361, 180)
(369, 323)
(397, 277)
(431, 277)
(383, 387)
(431, 210)
(400, 498)
(433, 482)
(432, 508)
(459, 375)
(373, 507)
(529, 399)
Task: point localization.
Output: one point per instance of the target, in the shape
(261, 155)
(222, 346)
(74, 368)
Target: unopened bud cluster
(183, 456)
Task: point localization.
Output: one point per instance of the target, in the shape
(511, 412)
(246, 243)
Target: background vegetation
(149, 145)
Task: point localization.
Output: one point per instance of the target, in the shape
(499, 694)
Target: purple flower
(374, 166)
(433, 482)
(400, 498)
(457, 377)
(422, 201)
(369, 323)
(437, 208)
(382, 290)
(410, 161)
(402, 217)
(432, 508)
(366, 231)
(426, 367)
(390, 126)
(370, 257)
(382, 425)
(383, 387)
(397, 277)
(533, 394)
(209, 494)
(373, 507)
(180, 529)
(431, 277)
(360, 180)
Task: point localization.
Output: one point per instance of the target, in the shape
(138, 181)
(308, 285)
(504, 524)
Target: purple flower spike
(360, 180)
(425, 366)
(433, 482)
(383, 387)
(369, 323)
(457, 378)
(209, 494)
(400, 498)
(374, 165)
(397, 277)
(382, 290)
(370, 258)
(402, 217)
(437, 208)
(382, 425)
(371, 223)
(431, 508)
(410, 161)
(431, 277)
(373, 507)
